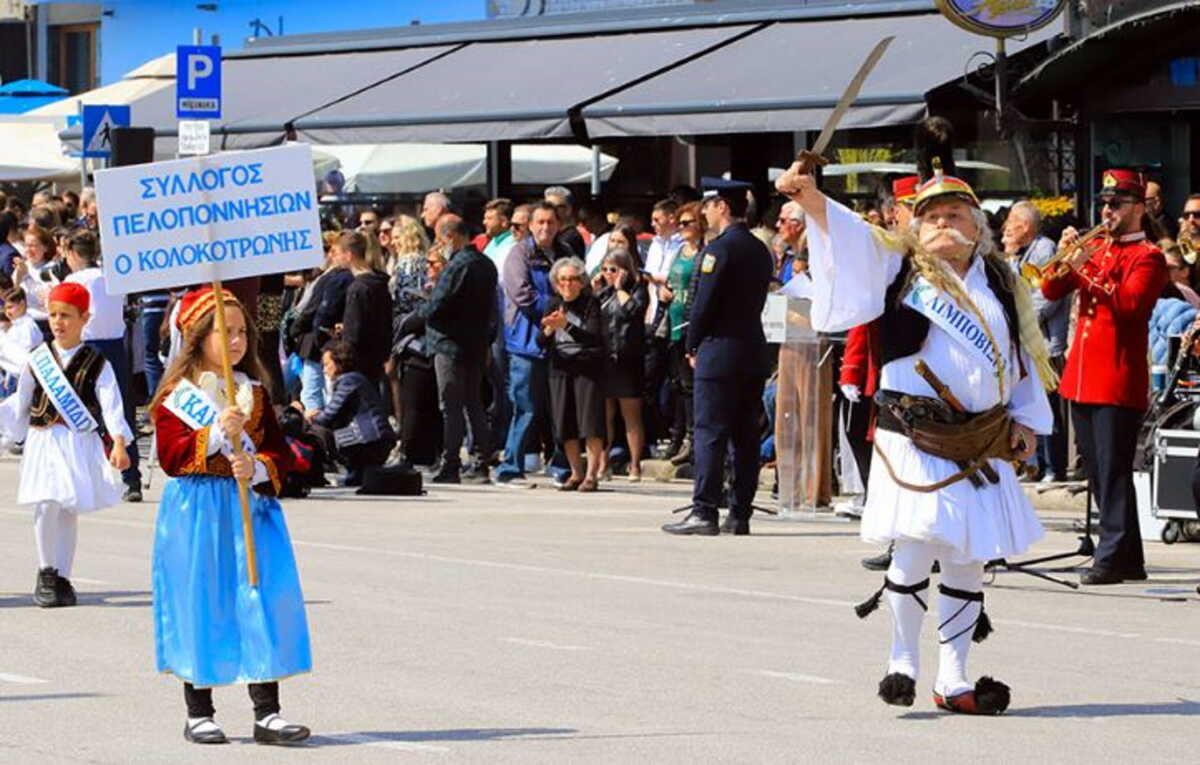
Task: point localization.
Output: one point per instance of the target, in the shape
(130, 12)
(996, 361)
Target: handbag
(361, 430)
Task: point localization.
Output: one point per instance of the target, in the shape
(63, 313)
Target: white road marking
(689, 586)
(21, 679)
(1065, 628)
(81, 580)
(799, 678)
(385, 743)
(546, 644)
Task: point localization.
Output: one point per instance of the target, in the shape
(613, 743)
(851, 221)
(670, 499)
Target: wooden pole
(230, 394)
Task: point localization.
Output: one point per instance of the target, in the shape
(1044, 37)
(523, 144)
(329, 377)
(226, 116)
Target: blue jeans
(149, 323)
(114, 353)
(500, 412)
(527, 389)
(312, 385)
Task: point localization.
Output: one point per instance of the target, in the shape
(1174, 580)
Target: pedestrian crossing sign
(98, 124)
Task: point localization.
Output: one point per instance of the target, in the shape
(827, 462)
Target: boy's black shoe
(64, 591)
(45, 592)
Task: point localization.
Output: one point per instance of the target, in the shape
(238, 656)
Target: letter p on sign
(198, 82)
(199, 66)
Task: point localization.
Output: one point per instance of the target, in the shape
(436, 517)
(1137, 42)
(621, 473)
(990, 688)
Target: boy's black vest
(83, 371)
(903, 330)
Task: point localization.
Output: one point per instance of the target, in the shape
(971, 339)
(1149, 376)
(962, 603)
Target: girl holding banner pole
(212, 626)
(65, 392)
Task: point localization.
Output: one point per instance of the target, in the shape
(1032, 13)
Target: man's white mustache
(953, 233)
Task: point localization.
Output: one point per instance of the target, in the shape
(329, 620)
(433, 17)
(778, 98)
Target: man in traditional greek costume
(961, 396)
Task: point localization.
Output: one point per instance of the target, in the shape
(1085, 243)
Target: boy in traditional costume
(65, 394)
(211, 627)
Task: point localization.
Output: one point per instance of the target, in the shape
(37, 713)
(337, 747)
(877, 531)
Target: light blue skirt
(210, 627)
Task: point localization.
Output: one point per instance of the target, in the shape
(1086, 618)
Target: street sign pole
(82, 153)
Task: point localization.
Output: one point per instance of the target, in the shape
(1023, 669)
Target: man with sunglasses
(1107, 375)
(1189, 221)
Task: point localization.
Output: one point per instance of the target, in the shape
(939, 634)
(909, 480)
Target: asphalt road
(482, 624)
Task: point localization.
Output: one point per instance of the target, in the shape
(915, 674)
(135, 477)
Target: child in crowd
(211, 628)
(19, 338)
(65, 391)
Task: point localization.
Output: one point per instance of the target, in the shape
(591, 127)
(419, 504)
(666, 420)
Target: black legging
(265, 697)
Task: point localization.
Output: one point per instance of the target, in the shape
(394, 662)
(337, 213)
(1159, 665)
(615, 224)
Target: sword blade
(850, 94)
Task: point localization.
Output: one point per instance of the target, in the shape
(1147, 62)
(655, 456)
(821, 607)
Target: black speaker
(132, 146)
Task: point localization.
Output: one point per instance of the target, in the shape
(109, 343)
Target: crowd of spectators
(537, 337)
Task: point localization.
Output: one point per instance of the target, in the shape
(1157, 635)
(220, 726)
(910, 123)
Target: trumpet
(1189, 248)
(1058, 264)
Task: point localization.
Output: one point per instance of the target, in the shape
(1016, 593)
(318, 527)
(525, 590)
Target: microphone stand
(1087, 548)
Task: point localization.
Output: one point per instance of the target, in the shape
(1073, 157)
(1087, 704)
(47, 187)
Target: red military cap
(905, 189)
(198, 304)
(1120, 181)
(71, 293)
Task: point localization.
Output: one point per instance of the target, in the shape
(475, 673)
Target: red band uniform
(1107, 374)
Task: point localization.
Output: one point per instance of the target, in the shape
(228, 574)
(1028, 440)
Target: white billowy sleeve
(14, 410)
(1029, 405)
(112, 406)
(851, 270)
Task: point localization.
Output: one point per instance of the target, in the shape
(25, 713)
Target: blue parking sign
(98, 122)
(198, 82)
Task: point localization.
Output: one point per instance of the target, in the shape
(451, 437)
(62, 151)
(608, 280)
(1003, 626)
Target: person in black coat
(573, 339)
(368, 307)
(421, 422)
(353, 424)
(623, 299)
(728, 351)
(460, 320)
(315, 326)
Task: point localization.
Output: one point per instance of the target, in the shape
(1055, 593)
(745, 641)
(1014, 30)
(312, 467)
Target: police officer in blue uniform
(728, 350)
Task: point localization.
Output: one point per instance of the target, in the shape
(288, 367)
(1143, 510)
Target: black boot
(45, 592)
(737, 525)
(448, 473)
(64, 592)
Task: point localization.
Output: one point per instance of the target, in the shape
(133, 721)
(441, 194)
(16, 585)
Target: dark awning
(789, 76)
(497, 91)
(1117, 55)
(262, 95)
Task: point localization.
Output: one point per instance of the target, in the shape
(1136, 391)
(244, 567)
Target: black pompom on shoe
(898, 689)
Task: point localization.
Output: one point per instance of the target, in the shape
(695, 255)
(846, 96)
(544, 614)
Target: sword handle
(809, 162)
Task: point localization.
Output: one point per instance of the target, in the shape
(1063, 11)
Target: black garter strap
(865, 608)
(982, 624)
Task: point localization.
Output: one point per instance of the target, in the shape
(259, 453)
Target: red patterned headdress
(198, 304)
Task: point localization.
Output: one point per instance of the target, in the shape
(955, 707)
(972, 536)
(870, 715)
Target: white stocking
(911, 562)
(55, 530)
(957, 618)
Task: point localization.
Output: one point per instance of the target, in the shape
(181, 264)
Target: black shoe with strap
(273, 729)
(1096, 576)
(198, 733)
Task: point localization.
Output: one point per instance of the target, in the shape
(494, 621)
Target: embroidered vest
(903, 330)
(83, 371)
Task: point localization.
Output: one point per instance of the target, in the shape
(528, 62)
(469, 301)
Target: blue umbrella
(20, 96)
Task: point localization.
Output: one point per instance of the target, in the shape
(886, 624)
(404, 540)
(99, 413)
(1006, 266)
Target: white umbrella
(31, 151)
(418, 167)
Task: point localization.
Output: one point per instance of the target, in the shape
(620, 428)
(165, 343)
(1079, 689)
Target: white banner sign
(193, 137)
(226, 216)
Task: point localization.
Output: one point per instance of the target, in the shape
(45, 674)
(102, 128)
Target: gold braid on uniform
(937, 273)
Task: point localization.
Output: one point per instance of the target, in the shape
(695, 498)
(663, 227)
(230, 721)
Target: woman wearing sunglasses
(623, 300)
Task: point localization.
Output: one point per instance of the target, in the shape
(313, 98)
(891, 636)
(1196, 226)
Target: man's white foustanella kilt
(852, 269)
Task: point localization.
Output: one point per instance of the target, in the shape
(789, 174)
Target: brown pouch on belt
(985, 435)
